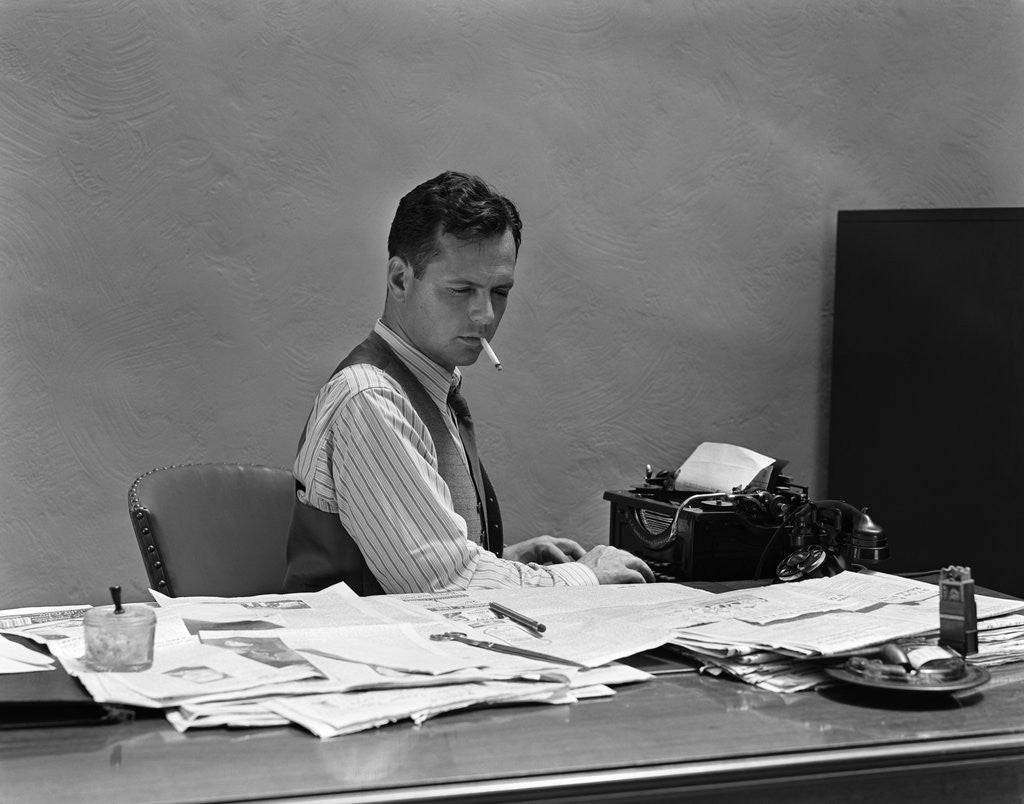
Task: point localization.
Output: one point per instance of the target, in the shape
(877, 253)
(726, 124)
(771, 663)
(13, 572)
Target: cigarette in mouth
(490, 353)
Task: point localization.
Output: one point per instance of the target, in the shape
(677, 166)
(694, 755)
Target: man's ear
(400, 276)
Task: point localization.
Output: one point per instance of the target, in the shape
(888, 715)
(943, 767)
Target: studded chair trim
(143, 527)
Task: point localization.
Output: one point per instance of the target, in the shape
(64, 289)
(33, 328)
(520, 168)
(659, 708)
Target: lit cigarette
(490, 353)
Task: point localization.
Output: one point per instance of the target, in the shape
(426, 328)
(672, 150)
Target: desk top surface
(681, 730)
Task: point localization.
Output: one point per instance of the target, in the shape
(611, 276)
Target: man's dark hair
(458, 204)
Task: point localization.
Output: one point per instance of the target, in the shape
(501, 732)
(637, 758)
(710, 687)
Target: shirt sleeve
(396, 506)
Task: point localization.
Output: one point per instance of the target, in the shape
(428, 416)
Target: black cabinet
(927, 390)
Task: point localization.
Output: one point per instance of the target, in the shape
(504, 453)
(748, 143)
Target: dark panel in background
(928, 386)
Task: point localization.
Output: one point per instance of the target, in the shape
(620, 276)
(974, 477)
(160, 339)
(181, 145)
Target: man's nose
(481, 311)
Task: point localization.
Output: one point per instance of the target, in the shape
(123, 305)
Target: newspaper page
(333, 715)
(590, 625)
(335, 606)
(43, 624)
(183, 670)
(17, 658)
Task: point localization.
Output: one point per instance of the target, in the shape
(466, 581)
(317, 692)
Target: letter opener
(455, 636)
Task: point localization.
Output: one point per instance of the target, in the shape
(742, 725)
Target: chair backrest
(217, 529)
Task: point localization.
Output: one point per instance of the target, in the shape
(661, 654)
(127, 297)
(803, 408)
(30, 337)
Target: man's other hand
(544, 550)
(612, 565)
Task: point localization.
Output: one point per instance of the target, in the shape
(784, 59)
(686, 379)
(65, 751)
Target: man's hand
(544, 550)
(612, 565)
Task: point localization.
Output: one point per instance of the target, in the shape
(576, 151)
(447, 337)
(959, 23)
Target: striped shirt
(369, 458)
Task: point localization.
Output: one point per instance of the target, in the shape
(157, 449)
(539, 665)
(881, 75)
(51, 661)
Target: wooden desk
(676, 738)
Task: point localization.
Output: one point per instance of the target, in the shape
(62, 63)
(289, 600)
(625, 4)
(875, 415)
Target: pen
(490, 353)
(515, 616)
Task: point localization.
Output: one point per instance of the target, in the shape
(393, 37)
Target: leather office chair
(215, 529)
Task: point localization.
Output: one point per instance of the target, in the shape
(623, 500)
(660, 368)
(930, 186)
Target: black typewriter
(769, 529)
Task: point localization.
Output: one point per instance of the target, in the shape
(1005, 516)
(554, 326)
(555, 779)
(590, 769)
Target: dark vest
(321, 552)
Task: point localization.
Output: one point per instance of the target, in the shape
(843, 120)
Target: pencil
(490, 353)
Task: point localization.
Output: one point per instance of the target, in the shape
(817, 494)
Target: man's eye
(458, 291)
(503, 291)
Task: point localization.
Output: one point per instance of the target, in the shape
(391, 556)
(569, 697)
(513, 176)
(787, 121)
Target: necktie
(458, 405)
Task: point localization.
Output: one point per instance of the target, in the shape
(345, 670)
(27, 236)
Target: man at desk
(390, 493)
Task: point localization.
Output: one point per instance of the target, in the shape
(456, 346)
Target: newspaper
(39, 624)
(15, 658)
(334, 663)
(249, 661)
(589, 625)
(1000, 640)
(334, 715)
(363, 711)
(60, 629)
(26, 620)
(237, 714)
(781, 637)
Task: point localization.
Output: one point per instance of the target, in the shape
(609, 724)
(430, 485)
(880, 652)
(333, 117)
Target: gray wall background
(195, 198)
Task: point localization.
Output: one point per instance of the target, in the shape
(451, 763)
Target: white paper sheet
(720, 467)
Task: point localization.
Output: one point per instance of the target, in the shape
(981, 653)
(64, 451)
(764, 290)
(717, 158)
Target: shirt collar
(436, 379)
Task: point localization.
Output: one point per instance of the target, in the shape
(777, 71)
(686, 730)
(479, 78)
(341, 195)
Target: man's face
(459, 298)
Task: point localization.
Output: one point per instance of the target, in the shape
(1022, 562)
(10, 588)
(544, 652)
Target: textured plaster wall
(194, 201)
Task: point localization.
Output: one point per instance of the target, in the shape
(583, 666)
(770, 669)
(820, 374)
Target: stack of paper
(781, 637)
(335, 663)
(329, 661)
(1000, 641)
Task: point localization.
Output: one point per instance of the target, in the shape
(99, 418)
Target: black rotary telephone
(829, 536)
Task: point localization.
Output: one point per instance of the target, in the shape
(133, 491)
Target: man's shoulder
(353, 380)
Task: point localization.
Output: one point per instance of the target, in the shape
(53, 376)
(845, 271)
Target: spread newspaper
(334, 663)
